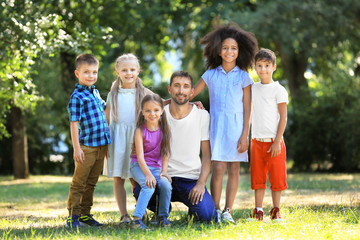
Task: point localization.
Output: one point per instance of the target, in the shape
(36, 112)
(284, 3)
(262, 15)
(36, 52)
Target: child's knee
(233, 166)
(147, 190)
(219, 167)
(165, 185)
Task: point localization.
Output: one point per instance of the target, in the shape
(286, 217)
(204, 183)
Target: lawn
(316, 206)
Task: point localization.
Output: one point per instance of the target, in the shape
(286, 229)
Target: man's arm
(197, 193)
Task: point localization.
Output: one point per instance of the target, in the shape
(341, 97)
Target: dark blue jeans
(181, 187)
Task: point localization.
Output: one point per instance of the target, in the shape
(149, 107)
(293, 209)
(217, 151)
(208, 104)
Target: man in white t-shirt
(189, 134)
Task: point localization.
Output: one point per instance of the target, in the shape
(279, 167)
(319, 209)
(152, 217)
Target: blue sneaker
(164, 222)
(73, 221)
(138, 224)
(88, 220)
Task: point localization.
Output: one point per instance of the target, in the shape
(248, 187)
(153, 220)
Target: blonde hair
(116, 85)
(165, 129)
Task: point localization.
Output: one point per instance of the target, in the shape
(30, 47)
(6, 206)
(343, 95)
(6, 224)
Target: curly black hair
(247, 45)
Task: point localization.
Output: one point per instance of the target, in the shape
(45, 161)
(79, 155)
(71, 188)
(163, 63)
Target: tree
(106, 29)
(308, 36)
(25, 35)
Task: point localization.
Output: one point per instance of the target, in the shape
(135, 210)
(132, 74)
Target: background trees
(318, 38)
(315, 41)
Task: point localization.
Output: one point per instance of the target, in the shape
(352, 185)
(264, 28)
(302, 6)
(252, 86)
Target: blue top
(87, 107)
(226, 112)
(152, 147)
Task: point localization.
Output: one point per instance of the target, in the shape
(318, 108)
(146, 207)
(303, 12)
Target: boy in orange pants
(268, 152)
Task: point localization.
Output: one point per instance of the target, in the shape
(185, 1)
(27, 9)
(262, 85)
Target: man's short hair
(87, 59)
(181, 74)
(265, 54)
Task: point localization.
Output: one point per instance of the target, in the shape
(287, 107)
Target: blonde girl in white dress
(123, 106)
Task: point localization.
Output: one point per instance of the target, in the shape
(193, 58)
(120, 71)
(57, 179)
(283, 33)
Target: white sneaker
(219, 213)
(226, 216)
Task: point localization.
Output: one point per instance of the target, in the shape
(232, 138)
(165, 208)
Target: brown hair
(265, 54)
(165, 129)
(181, 74)
(87, 59)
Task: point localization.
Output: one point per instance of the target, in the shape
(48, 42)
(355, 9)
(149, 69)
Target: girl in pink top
(149, 164)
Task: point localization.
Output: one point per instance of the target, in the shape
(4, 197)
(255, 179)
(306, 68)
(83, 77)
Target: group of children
(133, 124)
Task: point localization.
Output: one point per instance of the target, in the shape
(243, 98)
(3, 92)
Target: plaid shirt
(87, 107)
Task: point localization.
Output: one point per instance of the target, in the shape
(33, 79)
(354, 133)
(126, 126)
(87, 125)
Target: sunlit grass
(316, 206)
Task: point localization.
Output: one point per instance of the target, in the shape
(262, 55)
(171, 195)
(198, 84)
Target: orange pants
(262, 164)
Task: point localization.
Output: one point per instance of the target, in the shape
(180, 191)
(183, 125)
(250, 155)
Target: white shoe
(219, 213)
(226, 216)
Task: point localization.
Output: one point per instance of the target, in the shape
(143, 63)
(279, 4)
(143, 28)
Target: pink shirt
(152, 148)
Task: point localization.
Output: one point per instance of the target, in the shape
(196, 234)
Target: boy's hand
(243, 144)
(275, 149)
(164, 174)
(79, 155)
(150, 181)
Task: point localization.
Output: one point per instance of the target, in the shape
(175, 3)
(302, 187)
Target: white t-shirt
(186, 136)
(265, 115)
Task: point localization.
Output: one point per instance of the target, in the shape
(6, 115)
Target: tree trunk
(19, 144)
(295, 64)
(68, 79)
(294, 68)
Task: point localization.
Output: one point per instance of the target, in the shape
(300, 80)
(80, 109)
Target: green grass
(316, 206)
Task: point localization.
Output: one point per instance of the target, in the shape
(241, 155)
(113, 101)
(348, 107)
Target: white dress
(226, 112)
(122, 135)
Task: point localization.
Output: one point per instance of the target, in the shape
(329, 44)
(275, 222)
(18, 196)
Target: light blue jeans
(146, 193)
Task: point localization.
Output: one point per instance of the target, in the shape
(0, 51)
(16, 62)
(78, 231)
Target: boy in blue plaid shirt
(90, 138)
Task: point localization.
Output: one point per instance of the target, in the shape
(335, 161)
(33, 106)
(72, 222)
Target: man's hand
(196, 194)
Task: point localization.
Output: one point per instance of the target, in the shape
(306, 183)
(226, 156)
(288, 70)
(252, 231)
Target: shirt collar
(82, 88)
(235, 69)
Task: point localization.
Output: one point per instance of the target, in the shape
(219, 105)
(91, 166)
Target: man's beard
(182, 102)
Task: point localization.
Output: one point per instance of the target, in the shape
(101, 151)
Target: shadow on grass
(54, 191)
(45, 227)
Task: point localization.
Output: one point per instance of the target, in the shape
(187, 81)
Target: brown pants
(86, 175)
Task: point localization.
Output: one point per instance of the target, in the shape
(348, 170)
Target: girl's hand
(150, 181)
(275, 149)
(199, 105)
(164, 174)
(243, 144)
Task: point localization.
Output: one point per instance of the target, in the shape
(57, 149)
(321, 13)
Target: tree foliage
(26, 34)
(41, 39)
(317, 37)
